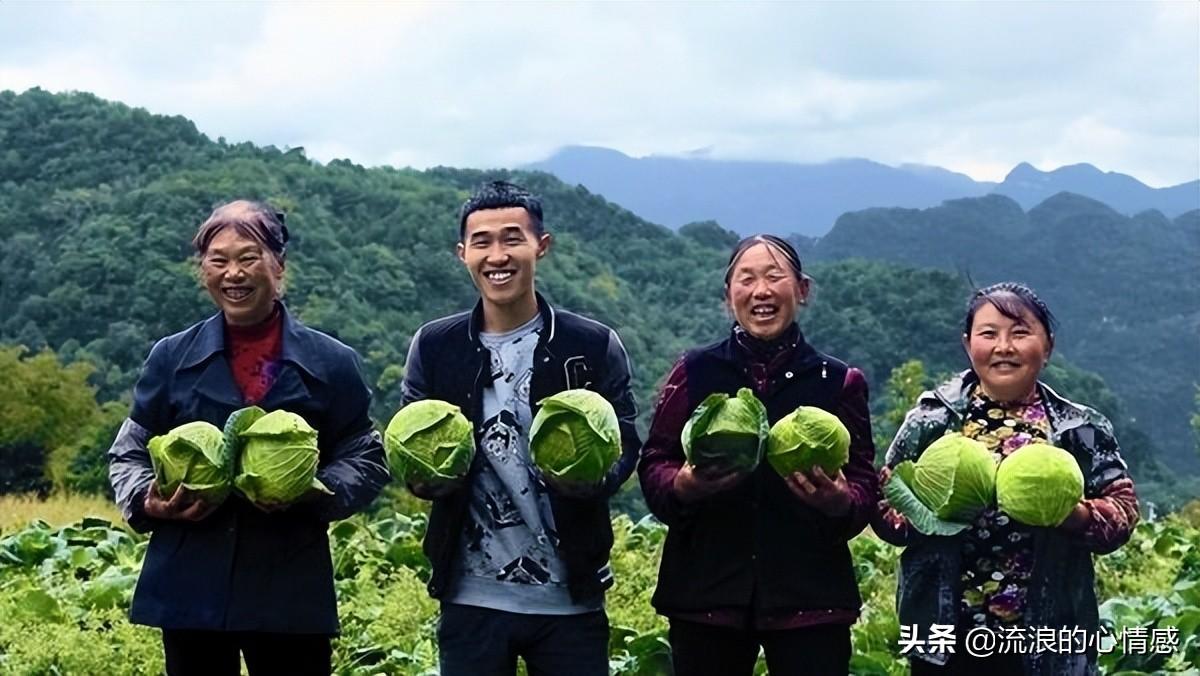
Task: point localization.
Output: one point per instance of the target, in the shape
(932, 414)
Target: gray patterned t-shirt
(508, 554)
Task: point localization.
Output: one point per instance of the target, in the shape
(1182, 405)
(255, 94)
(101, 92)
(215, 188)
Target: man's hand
(427, 491)
(184, 505)
(815, 489)
(692, 484)
(573, 490)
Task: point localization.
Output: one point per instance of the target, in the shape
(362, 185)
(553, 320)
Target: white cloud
(975, 87)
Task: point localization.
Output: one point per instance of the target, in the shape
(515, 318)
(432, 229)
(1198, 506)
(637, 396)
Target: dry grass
(59, 509)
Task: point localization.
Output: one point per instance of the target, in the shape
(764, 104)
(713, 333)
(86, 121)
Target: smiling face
(763, 292)
(242, 279)
(1007, 354)
(501, 248)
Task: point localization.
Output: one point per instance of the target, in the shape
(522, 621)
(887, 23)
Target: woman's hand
(184, 505)
(893, 518)
(692, 484)
(1077, 520)
(815, 489)
(308, 496)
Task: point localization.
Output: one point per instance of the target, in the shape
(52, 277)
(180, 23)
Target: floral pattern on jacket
(998, 551)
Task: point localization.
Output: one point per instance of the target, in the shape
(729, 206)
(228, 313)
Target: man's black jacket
(447, 361)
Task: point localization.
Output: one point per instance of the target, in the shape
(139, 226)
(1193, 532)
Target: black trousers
(706, 650)
(216, 653)
(476, 641)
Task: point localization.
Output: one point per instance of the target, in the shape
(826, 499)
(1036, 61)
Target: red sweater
(254, 355)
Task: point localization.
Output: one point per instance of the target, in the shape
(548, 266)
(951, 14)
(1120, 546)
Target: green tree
(904, 385)
(46, 405)
(45, 401)
(98, 202)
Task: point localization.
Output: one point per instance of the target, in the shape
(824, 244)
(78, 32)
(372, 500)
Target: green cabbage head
(947, 487)
(429, 442)
(575, 437)
(808, 437)
(195, 456)
(1039, 485)
(727, 432)
(239, 421)
(278, 463)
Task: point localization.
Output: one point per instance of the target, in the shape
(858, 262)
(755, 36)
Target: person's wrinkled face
(1007, 354)
(763, 292)
(500, 249)
(241, 277)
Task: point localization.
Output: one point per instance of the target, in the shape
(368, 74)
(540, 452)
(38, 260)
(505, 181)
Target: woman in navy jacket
(241, 577)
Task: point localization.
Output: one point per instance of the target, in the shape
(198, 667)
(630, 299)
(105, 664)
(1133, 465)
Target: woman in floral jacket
(999, 574)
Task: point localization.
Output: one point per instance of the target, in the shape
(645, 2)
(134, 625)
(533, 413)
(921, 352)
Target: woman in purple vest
(755, 559)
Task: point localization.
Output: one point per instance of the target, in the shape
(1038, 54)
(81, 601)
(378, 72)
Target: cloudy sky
(972, 87)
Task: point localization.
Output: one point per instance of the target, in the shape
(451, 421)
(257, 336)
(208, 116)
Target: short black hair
(1010, 299)
(501, 195)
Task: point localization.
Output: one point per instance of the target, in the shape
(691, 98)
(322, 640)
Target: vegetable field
(64, 592)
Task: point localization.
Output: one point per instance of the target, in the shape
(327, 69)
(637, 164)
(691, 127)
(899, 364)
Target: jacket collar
(210, 340)
(1063, 413)
(475, 323)
(803, 355)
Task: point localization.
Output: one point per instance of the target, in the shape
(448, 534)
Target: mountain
(748, 197)
(806, 199)
(1126, 288)
(1029, 187)
(98, 202)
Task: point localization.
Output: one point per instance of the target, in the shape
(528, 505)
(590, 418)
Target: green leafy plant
(1039, 485)
(278, 463)
(727, 432)
(430, 442)
(65, 594)
(195, 456)
(575, 437)
(808, 437)
(940, 493)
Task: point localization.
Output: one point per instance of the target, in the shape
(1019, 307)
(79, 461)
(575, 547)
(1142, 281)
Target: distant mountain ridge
(88, 183)
(1126, 288)
(1030, 186)
(789, 198)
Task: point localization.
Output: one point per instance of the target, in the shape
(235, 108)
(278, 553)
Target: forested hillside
(1127, 289)
(97, 205)
(99, 201)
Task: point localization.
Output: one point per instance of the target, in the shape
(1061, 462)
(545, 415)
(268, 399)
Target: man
(519, 564)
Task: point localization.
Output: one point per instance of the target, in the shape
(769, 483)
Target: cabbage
(575, 437)
(278, 463)
(429, 442)
(195, 456)
(727, 432)
(948, 486)
(1039, 485)
(239, 421)
(808, 437)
